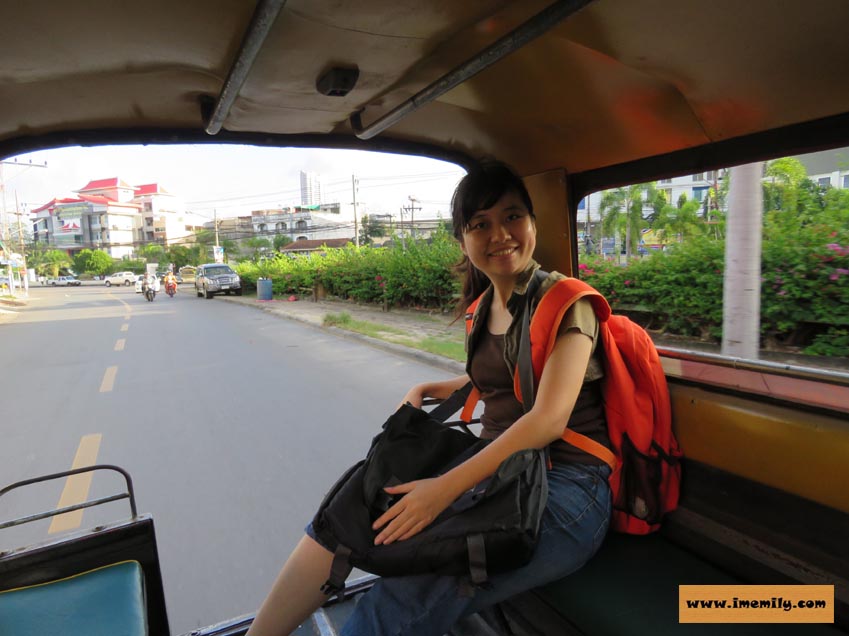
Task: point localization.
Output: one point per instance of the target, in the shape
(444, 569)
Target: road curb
(441, 362)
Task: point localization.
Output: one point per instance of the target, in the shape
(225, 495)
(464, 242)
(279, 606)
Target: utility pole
(25, 277)
(354, 184)
(412, 210)
(5, 230)
(215, 223)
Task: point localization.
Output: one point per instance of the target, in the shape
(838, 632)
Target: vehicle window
(660, 255)
(218, 271)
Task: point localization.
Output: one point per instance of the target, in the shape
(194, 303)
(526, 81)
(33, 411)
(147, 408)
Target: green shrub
(415, 274)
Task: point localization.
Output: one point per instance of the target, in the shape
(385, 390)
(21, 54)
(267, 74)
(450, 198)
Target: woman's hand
(439, 390)
(415, 396)
(422, 502)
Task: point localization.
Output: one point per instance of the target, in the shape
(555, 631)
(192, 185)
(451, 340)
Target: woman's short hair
(481, 188)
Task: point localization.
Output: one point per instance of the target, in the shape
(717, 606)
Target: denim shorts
(573, 527)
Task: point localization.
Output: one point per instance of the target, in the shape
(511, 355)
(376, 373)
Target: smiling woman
(578, 97)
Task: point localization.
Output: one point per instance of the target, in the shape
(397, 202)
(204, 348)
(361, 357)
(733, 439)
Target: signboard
(70, 225)
(218, 253)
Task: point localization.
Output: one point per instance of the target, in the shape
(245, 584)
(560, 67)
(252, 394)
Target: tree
(372, 228)
(93, 262)
(153, 253)
(622, 212)
(181, 255)
(53, 261)
(280, 240)
(258, 245)
(741, 300)
(680, 222)
(207, 239)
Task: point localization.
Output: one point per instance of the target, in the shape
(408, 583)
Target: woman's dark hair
(480, 189)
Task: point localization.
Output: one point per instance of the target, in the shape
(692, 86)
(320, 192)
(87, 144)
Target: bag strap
(452, 403)
(526, 370)
(339, 571)
(525, 365)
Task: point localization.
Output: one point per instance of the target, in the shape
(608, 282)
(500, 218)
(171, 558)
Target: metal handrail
(129, 494)
(547, 19)
(263, 19)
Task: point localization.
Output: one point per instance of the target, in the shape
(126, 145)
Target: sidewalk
(401, 324)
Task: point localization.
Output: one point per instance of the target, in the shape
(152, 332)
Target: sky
(230, 180)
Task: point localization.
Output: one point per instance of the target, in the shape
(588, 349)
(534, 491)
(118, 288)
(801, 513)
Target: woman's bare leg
(296, 593)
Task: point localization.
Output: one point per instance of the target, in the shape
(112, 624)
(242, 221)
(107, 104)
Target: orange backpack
(646, 472)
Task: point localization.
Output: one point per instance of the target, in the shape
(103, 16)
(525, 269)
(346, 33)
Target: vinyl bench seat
(107, 601)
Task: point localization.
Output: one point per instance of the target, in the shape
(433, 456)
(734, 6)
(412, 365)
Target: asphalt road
(232, 422)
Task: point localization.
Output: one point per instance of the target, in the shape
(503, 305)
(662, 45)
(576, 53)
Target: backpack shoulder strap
(549, 314)
(544, 328)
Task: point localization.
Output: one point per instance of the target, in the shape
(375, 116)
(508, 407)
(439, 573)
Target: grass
(451, 346)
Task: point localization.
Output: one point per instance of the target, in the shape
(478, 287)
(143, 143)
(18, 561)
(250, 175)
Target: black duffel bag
(491, 528)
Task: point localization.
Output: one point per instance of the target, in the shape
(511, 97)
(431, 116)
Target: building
(298, 222)
(828, 168)
(114, 216)
(102, 216)
(310, 188)
(164, 218)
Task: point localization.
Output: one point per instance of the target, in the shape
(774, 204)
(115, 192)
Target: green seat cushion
(108, 601)
(631, 587)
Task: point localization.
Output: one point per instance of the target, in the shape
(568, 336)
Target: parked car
(121, 278)
(217, 278)
(64, 281)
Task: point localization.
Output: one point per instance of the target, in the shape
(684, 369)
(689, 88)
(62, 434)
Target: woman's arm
(559, 387)
(437, 390)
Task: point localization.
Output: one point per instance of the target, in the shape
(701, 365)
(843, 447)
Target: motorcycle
(171, 289)
(149, 293)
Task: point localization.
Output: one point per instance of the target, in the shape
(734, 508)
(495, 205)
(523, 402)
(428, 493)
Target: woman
(494, 222)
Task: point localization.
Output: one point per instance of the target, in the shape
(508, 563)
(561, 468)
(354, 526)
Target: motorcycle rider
(151, 281)
(170, 283)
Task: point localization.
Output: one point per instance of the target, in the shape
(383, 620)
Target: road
(232, 422)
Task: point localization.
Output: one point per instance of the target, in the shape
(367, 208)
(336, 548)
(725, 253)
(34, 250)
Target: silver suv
(120, 278)
(217, 278)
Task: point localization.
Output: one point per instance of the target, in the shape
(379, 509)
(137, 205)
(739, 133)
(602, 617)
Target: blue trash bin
(263, 289)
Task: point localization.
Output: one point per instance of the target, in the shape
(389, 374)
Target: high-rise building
(310, 188)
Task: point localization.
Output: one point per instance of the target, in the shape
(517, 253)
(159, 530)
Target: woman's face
(500, 240)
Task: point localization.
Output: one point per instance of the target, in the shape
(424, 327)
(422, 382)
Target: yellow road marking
(77, 486)
(125, 327)
(108, 379)
(119, 345)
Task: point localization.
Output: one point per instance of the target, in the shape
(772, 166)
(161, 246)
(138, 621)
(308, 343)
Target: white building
(102, 216)
(165, 219)
(114, 216)
(828, 168)
(302, 223)
(310, 188)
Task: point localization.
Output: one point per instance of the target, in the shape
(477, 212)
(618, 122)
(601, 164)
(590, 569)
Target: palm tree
(621, 212)
(679, 222)
(53, 261)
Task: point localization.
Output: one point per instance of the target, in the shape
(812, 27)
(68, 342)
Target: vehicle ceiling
(618, 81)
